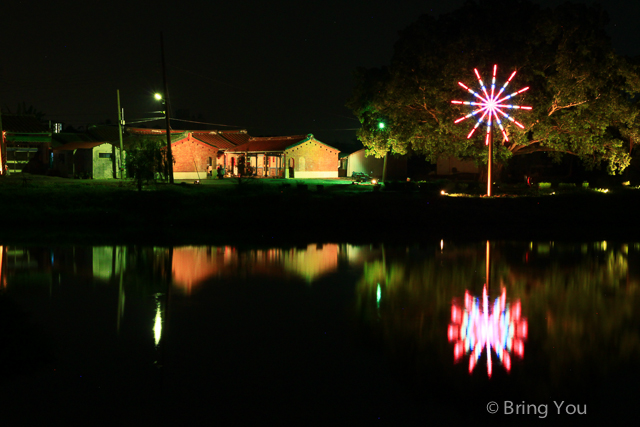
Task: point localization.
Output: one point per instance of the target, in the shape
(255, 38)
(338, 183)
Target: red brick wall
(188, 151)
(317, 157)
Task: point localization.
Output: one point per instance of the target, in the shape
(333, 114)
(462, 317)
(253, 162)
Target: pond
(445, 331)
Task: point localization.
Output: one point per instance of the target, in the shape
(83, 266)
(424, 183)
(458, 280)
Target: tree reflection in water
(579, 301)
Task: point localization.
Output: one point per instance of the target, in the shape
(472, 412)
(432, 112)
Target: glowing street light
(158, 96)
(491, 107)
(381, 126)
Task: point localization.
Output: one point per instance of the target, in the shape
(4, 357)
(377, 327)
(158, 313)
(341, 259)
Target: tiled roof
(272, 143)
(144, 131)
(58, 139)
(135, 139)
(65, 137)
(236, 137)
(78, 145)
(22, 124)
(215, 139)
(104, 132)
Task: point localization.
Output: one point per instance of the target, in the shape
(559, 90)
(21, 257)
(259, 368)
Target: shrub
(146, 162)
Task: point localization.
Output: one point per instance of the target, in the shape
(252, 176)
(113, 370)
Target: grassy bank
(42, 209)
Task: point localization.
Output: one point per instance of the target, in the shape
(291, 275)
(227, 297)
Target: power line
(205, 123)
(338, 129)
(128, 122)
(209, 78)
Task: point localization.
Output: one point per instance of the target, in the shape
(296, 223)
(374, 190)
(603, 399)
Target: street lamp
(381, 126)
(169, 170)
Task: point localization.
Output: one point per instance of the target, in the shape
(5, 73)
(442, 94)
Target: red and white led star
(491, 105)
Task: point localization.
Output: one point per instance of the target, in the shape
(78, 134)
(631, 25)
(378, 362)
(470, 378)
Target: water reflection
(574, 304)
(157, 324)
(193, 265)
(474, 328)
(579, 301)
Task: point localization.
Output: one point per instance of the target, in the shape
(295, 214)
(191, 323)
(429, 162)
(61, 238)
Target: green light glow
(378, 295)
(157, 96)
(381, 125)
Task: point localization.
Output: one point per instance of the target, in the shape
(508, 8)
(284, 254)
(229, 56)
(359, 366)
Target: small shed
(95, 160)
(359, 162)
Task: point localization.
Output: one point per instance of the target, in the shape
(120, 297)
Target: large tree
(584, 95)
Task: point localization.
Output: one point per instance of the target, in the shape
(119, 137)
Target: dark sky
(273, 68)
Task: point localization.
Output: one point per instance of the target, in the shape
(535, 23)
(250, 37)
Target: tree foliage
(584, 95)
(23, 110)
(146, 160)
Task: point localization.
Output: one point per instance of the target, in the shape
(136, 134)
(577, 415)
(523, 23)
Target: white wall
(318, 174)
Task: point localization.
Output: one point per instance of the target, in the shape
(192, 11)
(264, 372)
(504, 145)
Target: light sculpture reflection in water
(478, 326)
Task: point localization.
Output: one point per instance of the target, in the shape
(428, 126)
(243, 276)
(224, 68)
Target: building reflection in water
(476, 327)
(580, 300)
(193, 265)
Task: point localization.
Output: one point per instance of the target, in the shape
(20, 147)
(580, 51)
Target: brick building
(296, 156)
(196, 154)
(223, 141)
(193, 159)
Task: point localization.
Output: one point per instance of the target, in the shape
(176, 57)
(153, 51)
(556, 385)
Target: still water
(446, 332)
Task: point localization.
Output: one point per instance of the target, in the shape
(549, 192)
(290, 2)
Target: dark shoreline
(265, 217)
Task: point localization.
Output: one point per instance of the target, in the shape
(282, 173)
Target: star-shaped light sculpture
(492, 105)
(477, 327)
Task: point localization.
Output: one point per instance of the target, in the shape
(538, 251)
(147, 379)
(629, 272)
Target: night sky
(273, 68)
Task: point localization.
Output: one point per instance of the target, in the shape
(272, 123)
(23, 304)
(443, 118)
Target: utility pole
(2, 150)
(166, 112)
(384, 167)
(120, 122)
